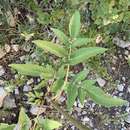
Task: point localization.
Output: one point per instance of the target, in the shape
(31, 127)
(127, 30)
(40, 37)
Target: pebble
(27, 88)
(37, 110)
(7, 48)
(29, 81)
(101, 82)
(16, 91)
(2, 71)
(128, 119)
(2, 53)
(3, 94)
(9, 102)
(85, 119)
(120, 87)
(22, 58)
(15, 48)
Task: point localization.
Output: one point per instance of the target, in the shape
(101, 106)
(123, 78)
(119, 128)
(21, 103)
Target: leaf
(48, 124)
(99, 96)
(4, 126)
(57, 85)
(61, 72)
(28, 69)
(51, 47)
(81, 94)
(72, 92)
(24, 121)
(74, 25)
(62, 37)
(80, 76)
(82, 41)
(85, 53)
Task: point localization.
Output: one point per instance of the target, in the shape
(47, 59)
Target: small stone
(126, 52)
(16, 91)
(22, 58)
(7, 48)
(85, 119)
(129, 89)
(120, 87)
(27, 88)
(3, 94)
(2, 53)
(2, 71)
(35, 110)
(127, 109)
(2, 82)
(33, 55)
(29, 81)
(9, 102)
(15, 48)
(101, 82)
(128, 119)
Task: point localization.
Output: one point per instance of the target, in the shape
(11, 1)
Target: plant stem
(75, 122)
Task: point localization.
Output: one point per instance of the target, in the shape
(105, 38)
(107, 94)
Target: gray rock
(27, 88)
(2, 71)
(101, 82)
(128, 119)
(16, 91)
(37, 110)
(3, 94)
(120, 87)
(9, 102)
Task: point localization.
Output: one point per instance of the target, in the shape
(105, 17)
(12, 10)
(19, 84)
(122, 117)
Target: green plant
(24, 123)
(71, 51)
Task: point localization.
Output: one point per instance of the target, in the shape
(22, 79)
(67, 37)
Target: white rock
(16, 91)
(86, 119)
(37, 110)
(27, 88)
(7, 48)
(128, 119)
(2, 71)
(120, 87)
(15, 48)
(29, 81)
(3, 94)
(101, 82)
(2, 53)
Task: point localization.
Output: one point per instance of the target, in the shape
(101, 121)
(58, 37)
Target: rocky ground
(14, 88)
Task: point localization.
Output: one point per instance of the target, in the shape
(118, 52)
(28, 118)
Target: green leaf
(80, 76)
(81, 41)
(85, 53)
(24, 121)
(57, 85)
(48, 124)
(48, 72)
(4, 126)
(72, 92)
(81, 94)
(74, 25)
(28, 69)
(61, 72)
(51, 47)
(99, 96)
(62, 37)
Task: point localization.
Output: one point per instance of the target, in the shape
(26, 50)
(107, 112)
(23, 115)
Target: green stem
(72, 120)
